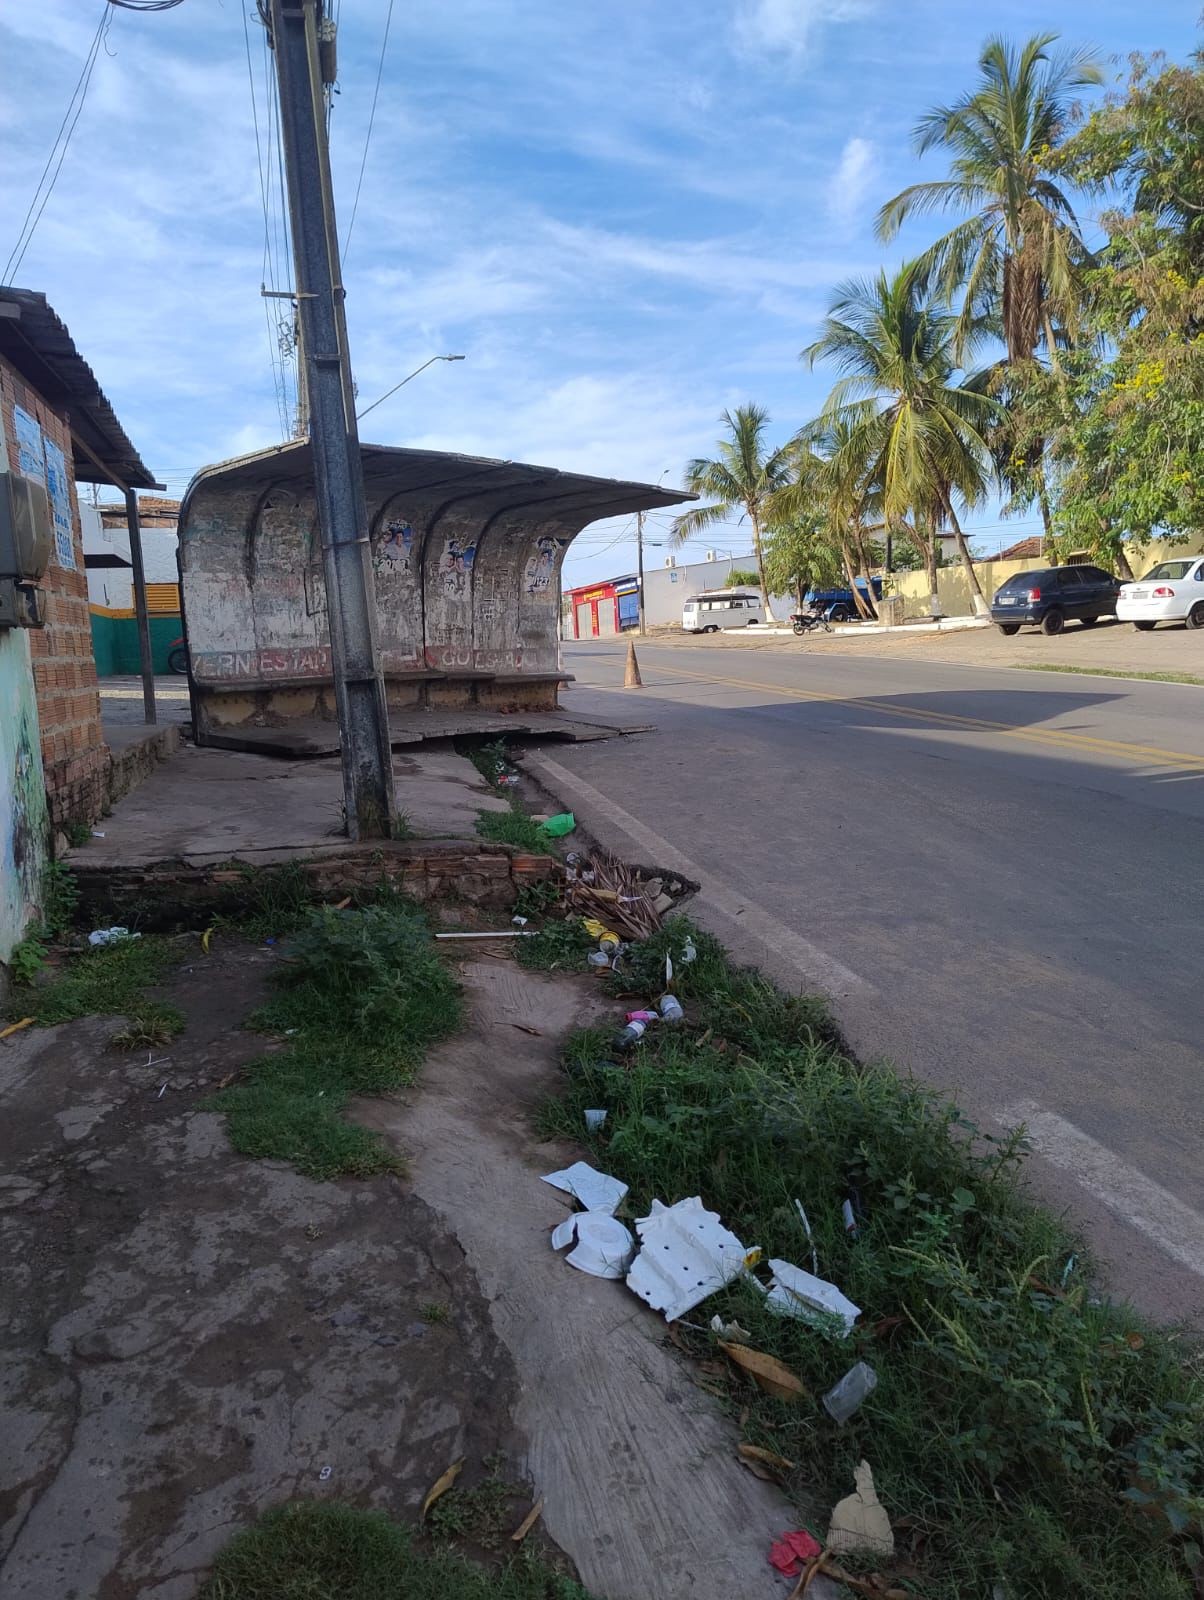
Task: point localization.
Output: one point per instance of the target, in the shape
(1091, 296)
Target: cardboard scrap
(859, 1521)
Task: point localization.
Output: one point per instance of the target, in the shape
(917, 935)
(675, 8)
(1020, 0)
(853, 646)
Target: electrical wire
(269, 270)
(380, 67)
(62, 140)
(146, 5)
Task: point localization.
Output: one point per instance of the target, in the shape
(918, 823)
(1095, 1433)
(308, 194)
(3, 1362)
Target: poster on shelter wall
(59, 491)
(30, 462)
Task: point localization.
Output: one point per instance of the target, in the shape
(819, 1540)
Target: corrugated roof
(38, 344)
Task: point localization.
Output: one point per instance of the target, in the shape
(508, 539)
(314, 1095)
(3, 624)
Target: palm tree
(741, 479)
(1019, 254)
(827, 477)
(902, 417)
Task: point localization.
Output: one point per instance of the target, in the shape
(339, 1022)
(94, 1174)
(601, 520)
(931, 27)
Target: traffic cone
(631, 678)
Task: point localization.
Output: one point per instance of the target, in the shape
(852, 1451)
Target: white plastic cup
(594, 1120)
(845, 1397)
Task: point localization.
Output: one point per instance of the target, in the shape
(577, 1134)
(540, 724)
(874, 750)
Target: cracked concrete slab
(206, 806)
(636, 1466)
(188, 1337)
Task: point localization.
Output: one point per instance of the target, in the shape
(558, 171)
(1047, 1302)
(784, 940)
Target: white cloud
(789, 27)
(850, 183)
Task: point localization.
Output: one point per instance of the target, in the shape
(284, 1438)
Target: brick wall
(74, 756)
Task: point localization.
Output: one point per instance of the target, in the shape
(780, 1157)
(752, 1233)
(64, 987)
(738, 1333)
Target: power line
(274, 357)
(380, 67)
(62, 138)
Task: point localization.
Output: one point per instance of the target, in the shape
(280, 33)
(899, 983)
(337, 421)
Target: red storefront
(598, 610)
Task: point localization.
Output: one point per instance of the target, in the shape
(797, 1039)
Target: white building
(668, 587)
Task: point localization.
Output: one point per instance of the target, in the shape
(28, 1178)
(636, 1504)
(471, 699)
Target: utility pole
(639, 544)
(298, 29)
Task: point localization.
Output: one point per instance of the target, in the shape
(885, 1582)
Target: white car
(1173, 591)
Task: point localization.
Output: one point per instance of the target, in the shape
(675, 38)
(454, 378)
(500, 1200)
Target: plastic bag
(557, 827)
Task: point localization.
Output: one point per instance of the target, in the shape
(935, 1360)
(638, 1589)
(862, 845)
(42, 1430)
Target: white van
(722, 608)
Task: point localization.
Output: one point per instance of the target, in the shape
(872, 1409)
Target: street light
(361, 414)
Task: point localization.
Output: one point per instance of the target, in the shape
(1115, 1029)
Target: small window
(1070, 578)
(1200, 573)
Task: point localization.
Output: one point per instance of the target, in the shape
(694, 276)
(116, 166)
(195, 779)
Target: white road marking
(1126, 1192)
(815, 964)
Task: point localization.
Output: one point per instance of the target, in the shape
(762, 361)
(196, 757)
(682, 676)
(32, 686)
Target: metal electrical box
(26, 540)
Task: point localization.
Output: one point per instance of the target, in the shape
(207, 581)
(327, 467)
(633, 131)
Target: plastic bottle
(670, 1009)
(631, 1035)
(845, 1397)
(689, 953)
(598, 961)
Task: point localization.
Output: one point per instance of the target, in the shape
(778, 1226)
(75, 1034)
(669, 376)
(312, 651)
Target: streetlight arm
(361, 414)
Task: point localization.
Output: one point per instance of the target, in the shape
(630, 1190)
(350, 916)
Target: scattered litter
(599, 960)
(610, 892)
(687, 1255)
(528, 1522)
(845, 1397)
(324, 1474)
(15, 1027)
(441, 1485)
(668, 970)
(594, 1120)
(595, 1190)
(1067, 1270)
(858, 1521)
(343, 903)
(795, 1293)
(662, 903)
(630, 1035)
(730, 1330)
(670, 1008)
(96, 833)
(518, 922)
(162, 1088)
(604, 1245)
(791, 1550)
(803, 1218)
(557, 827)
(525, 1027)
(689, 953)
(850, 1221)
(206, 940)
(769, 1461)
(111, 936)
(767, 1371)
(499, 933)
(643, 1016)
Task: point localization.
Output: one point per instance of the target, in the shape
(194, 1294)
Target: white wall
(114, 586)
(666, 589)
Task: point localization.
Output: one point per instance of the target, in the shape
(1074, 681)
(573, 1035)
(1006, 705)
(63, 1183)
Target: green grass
(559, 946)
(1109, 672)
(1032, 1435)
(321, 1550)
(514, 827)
(109, 981)
(363, 996)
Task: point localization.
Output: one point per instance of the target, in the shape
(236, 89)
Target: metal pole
(146, 659)
(639, 544)
(334, 440)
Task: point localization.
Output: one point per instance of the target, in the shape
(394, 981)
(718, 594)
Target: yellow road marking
(1142, 753)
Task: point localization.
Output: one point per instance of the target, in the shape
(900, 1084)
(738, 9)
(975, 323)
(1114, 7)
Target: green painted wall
(115, 643)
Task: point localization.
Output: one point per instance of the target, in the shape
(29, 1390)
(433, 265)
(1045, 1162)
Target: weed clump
(361, 998)
(1028, 1437)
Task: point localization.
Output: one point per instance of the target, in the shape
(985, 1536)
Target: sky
(626, 217)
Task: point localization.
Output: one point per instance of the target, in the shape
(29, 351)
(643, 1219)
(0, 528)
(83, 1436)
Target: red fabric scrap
(791, 1550)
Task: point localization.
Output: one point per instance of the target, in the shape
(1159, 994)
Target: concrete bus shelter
(466, 555)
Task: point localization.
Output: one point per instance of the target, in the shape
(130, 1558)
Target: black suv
(1049, 597)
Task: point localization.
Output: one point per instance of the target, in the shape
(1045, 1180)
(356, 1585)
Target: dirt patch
(190, 1337)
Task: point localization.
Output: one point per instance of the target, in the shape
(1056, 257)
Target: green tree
(739, 578)
(1018, 257)
(800, 554)
(833, 490)
(905, 417)
(738, 481)
(1127, 429)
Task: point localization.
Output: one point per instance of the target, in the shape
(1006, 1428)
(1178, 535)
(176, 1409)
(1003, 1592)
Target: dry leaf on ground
(768, 1371)
(766, 1458)
(442, 1484)
(528, 1522)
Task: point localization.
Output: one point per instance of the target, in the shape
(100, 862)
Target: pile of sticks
(603, 887)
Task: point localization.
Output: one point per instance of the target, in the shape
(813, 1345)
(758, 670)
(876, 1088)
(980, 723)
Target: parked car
(838, 605)
(722, 608)
(1173, 591)
(1050, 597)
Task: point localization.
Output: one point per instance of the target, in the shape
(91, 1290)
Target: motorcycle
(809, 622)
(177, 656)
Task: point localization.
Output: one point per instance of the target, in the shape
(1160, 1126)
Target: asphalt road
(996, 877)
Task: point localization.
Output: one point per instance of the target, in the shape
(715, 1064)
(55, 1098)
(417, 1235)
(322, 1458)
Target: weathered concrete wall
(466, 558)
(23, 819)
